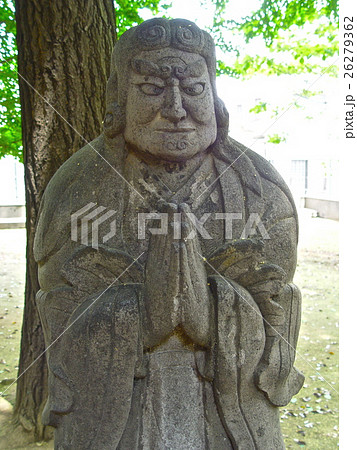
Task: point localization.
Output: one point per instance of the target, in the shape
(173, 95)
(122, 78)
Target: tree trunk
(64, 57)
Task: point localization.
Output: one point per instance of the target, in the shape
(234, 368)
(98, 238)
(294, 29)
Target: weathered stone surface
(182, 337)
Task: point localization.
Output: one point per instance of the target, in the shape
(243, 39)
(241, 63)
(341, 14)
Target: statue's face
(170, 109)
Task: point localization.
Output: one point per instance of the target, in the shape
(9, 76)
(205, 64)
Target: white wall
(12, 189)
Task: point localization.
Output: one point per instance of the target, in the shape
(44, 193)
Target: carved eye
(151, 89)
(194, 89)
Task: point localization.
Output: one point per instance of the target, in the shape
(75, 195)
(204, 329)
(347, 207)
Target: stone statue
(182, 337)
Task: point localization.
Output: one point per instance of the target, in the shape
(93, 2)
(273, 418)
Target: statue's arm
(79, 286)
(265, 269)
(276, 375)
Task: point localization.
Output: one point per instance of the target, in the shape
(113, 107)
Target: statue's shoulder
(70, 173)
(265, 169)
(70, 188)
(255, 170)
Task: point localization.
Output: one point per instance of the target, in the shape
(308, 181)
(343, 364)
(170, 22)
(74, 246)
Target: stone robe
(107, 389)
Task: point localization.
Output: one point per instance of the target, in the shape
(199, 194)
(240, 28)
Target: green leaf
(276, 139)
(10, 108)
(258, 108)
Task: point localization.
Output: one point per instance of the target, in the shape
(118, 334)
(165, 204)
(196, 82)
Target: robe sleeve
(269, 199)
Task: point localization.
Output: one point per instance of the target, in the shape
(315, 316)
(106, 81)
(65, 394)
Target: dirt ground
(310, 420)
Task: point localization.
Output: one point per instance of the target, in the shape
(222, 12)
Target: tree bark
(64, 49)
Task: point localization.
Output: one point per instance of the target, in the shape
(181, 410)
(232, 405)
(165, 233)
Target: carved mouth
(176, 130)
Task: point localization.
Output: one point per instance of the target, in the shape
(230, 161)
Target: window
(299, 175)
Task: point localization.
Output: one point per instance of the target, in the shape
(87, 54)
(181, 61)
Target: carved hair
(152, 35)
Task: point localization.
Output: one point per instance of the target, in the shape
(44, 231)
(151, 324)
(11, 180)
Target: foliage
(127, 13)
(292, 37)
(297, 34)
(276, 15)
(250, 65)
(259, 107)
(275, 139)
(301, 54)
(10, 117)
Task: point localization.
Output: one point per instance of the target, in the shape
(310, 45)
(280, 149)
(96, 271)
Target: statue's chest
(138, 223)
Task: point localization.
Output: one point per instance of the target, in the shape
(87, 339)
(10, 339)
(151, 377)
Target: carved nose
(173, 110)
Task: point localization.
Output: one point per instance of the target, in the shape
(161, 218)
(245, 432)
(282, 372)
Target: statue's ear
(114, 120)
(222, 115)
(222, 118)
